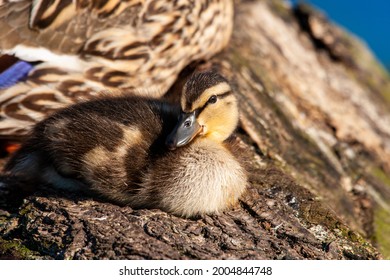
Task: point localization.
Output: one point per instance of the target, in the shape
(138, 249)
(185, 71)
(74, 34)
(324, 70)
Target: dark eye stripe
(219, 96)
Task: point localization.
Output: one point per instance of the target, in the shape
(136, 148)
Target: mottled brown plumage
(138, 152)
(84, 46)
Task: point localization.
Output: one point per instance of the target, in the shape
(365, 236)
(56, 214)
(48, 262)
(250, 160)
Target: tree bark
(315, 120)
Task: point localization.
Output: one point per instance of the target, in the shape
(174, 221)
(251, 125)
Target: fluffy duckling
(142, 152)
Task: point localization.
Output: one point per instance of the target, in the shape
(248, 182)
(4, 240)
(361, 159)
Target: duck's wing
(69, 50)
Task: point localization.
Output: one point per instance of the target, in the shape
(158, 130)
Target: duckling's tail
(20, 178)
(12, 192)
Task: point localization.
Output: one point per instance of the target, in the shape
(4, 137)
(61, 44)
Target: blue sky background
(368, 19)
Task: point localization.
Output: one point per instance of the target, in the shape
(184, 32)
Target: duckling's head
(209, 109)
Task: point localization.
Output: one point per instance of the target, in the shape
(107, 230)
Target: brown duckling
(142, 152)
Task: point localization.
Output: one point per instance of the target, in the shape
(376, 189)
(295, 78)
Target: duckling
(70, 51)
(141, 152)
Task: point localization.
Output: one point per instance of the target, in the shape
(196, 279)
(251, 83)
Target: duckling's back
(101, 146)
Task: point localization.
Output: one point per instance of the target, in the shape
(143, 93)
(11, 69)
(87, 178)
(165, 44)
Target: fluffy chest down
(203, 178)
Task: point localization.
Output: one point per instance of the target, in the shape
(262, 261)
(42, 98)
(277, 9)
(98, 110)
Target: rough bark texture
(316, 123)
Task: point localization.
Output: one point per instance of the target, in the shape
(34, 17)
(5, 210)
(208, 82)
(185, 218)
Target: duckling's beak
(186, 130)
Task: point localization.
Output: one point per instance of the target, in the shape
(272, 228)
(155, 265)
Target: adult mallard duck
(142, 152)
(69, 50)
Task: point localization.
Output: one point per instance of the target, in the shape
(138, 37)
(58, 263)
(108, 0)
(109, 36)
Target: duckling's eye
(212, 99)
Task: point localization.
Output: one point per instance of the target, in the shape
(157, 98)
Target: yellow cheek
(218, 122)
(213, 122)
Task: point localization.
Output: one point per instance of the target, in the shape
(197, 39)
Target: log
(315, 120)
